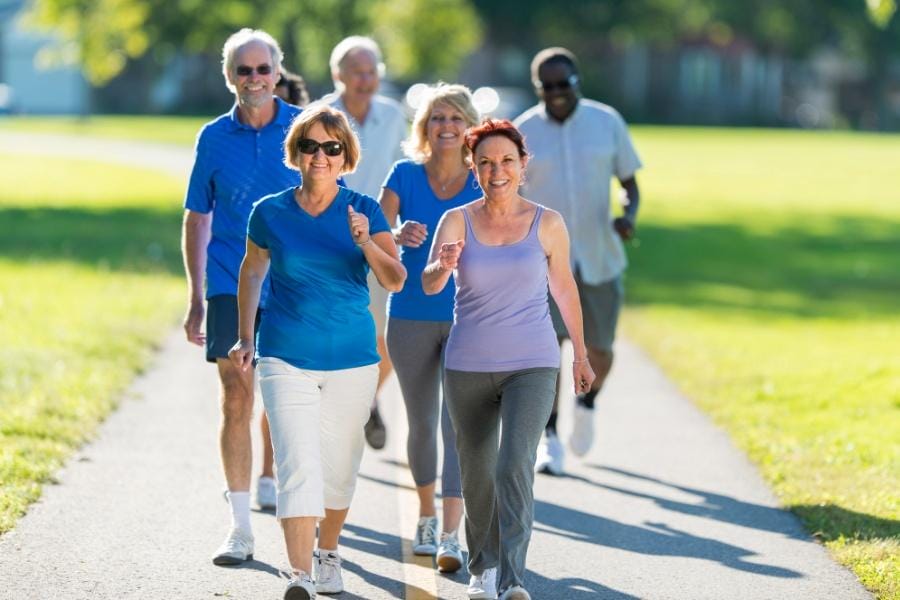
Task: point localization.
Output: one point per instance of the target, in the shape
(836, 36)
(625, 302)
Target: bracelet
(365, 243)
(577, 362)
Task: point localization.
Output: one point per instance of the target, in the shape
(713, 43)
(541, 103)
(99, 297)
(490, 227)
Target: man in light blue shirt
(578, 146)
(239, 159)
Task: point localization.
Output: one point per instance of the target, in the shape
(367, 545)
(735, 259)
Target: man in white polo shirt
(380, 124)
(577, 146)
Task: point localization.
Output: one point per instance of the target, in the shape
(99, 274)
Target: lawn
(765, 282)
(90, 278)
(175, 130)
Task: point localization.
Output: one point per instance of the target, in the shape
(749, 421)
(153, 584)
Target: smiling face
(445, 128)
(320, 166)
(498, 166)
(557, 86)
(255, 89)
(358, 73)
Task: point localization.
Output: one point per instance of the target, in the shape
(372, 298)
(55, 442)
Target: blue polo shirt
(234, 166)
(317, 315)
(418, 202)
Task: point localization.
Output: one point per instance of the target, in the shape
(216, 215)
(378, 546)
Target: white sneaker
(550, 455)
(484, 585)
(583, 431)
(449, 556)
(425, 540)
(236, 548)
(328, 573)
(265, 493)
(300, 587)
(516, 592)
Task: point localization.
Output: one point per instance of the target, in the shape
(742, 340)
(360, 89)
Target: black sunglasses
(330, 148)
(245, 70)
(549, 86)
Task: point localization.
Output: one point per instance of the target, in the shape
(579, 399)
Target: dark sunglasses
(331, 148)
(246, 71)
(549, 86)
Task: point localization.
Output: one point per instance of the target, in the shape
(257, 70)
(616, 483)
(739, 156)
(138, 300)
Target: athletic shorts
(600, 306)
(222, 326)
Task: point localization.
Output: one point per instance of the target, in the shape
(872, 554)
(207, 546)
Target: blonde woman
(434, 179)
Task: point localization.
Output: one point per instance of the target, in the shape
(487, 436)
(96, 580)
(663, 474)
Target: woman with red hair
(502, 356)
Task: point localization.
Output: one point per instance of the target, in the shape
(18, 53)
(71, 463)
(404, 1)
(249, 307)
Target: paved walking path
(663, 507)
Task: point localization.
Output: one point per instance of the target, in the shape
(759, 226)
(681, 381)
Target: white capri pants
(316, 419)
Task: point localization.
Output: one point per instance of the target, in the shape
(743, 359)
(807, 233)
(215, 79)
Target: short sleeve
(372, 210)
(257, 229)
(627, 161)
(200, 195)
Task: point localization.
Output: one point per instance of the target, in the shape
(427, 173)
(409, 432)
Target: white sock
(240, 510)
(326, 551)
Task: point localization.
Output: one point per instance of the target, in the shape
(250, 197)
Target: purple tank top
(501, 321)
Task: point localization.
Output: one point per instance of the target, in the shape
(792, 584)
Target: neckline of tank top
(537, 213)
(466, 182)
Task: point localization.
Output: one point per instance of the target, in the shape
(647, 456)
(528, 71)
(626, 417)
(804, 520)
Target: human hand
(241, 354)
(412, 234)
(449, 254)
(359, 226)
(583, 376)
(193, 320)
(624, 227)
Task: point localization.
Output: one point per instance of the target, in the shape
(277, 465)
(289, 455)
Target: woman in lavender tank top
(502, 356)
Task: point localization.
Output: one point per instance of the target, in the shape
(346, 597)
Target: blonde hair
(238, 40)
(454, 95)
(335, 123)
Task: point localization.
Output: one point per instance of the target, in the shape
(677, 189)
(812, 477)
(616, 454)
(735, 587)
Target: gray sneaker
(425, 540)
(449, 556)
(236, 548)
(266, 493)
(328, 573)
(300, 587)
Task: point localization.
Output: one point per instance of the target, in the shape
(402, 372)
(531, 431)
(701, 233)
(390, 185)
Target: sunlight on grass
(765, 283)
(89, 282)
(172, 130)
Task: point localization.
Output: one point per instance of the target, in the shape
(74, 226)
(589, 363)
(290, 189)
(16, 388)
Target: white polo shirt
(379, 137)
(570, 170)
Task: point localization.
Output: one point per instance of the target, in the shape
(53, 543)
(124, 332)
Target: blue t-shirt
(234, 166)
(317, 315)
(418, 202)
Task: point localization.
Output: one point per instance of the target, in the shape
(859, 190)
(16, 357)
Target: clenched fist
(450, 253)
(359, 226)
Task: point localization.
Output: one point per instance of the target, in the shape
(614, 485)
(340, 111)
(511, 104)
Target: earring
(475, 185)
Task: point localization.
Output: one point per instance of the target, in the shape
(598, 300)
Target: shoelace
(427, 532)
(450, 542)
(236, 542)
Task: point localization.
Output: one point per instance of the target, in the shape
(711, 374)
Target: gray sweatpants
(498, 469)
(417, 349)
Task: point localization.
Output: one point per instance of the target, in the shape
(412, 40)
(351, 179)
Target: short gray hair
(348, 45)
(238, 40)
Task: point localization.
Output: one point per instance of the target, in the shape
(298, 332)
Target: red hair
(491, 127)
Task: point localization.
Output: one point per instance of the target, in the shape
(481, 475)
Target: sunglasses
(549, 86)
(246, 71)
(330, 148)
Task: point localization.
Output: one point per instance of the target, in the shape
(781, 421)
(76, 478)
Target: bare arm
(449, 239)
(625, 224)
(196, 232)
(409, 233)
(253, 272)
(380, 251)
(555, 240)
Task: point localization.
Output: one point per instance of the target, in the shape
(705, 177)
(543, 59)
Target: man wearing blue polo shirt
(238, 160)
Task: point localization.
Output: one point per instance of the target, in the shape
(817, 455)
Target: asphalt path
(662, 507)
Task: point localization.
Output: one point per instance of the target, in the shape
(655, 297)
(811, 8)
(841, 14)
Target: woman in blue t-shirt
(420, 190)
(318, 366)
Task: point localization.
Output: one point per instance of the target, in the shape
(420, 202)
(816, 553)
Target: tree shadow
(117, 239)
(827, 266)
(829, 522)
(652, 539)
(714, 506)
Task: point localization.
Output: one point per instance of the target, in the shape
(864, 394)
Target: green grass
(766, 283)
(90, 277)
(175, 130)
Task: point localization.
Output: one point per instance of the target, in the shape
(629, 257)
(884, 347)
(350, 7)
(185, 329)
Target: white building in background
(24, 87)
